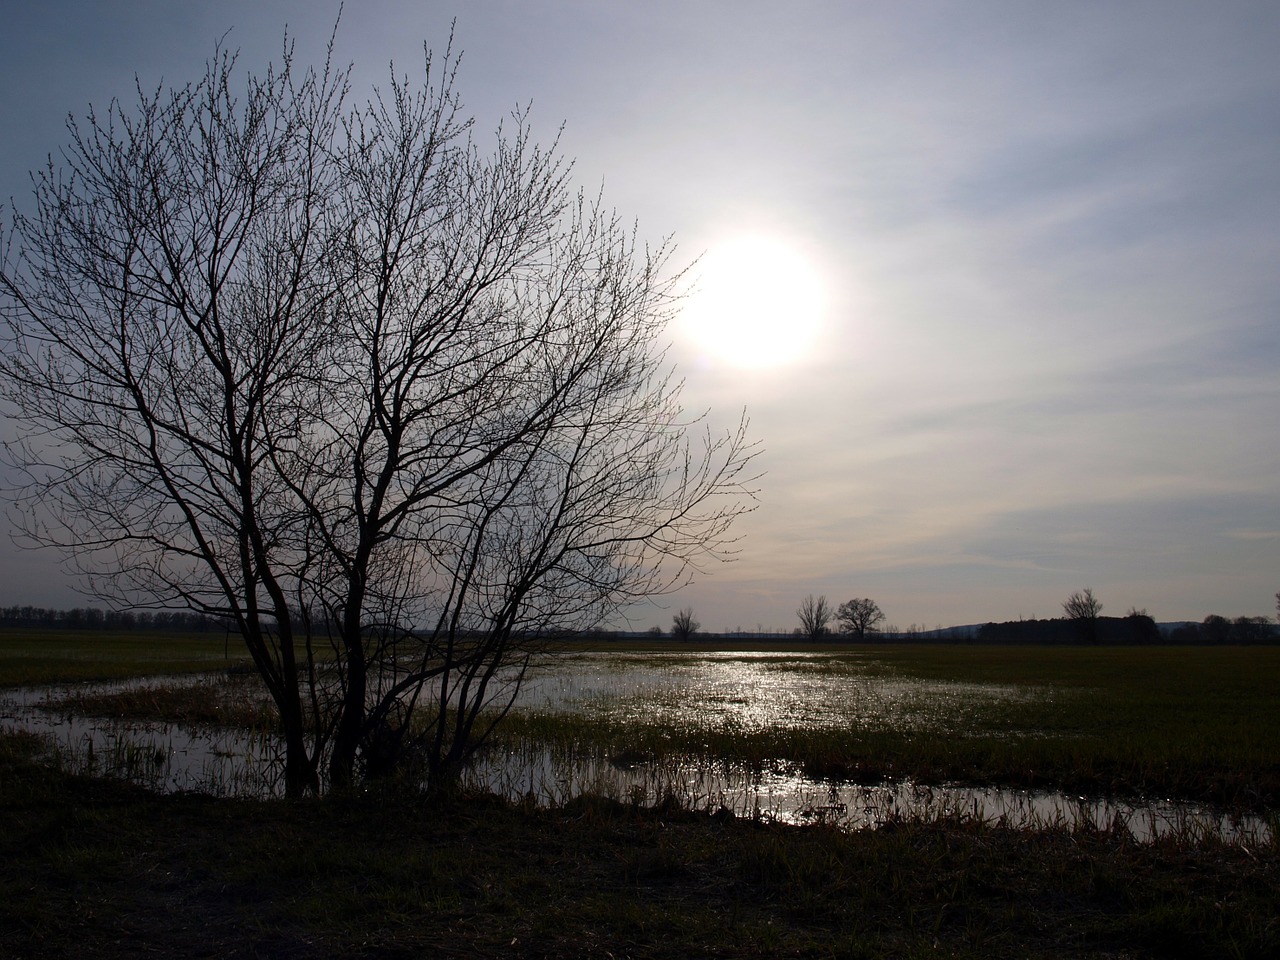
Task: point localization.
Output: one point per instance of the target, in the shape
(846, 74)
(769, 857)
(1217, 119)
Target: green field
(53, 656)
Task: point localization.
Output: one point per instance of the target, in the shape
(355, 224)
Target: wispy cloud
(1049, 235)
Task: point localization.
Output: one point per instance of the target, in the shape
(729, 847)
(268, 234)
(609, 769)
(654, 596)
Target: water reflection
(756, 692)
(166, 757)
(782, 793)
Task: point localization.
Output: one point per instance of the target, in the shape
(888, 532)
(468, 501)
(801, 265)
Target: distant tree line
(1134, 629)
(855, 618)
(1220, 630)
(92, 618)
(1137, 628)
(173, 621)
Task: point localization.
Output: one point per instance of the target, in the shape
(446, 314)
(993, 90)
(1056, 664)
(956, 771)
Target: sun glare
(757, 303)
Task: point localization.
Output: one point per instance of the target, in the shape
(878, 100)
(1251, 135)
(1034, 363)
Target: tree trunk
(346, 739)
(299, 767)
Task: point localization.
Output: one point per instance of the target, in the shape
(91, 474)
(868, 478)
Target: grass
(220, 700)
(29, 657)
(98, 869)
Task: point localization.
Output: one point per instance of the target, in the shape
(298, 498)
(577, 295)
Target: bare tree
(683, 625)
(1084, 609)
(1082, 605)
(814, 616)
(858, 617)
(388, 401)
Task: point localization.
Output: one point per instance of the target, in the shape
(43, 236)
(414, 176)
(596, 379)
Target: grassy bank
(99, 870)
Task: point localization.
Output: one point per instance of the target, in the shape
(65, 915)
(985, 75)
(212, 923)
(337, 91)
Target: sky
(1011, 320)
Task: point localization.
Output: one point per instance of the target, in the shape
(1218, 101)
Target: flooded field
(755, 691)
(167, 757)
(748, 694)
(721, 696)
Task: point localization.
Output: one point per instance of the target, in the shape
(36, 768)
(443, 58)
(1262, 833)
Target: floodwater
(755, 691)
(746, 692)
(167, 757)
(750, 692)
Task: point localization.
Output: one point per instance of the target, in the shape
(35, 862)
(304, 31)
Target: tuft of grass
(220, 700)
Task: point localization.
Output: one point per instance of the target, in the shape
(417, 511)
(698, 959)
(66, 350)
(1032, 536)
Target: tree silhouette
(1083, 609)
(683, 625)
(859, 617)
(814, 616)
(388, 402)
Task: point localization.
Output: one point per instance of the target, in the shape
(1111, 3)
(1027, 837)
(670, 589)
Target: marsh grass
(223, 700)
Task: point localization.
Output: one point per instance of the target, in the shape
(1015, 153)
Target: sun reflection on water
(758, 692)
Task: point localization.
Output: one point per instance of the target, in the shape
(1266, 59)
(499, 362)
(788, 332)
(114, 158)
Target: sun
(757, 302)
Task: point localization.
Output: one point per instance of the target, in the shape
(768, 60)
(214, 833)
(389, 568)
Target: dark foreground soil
(95, 869)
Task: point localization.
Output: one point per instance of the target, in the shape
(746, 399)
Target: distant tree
(1083, 609)
(683, 626)
(1278, 605)
(1142, 628)
(1215, 629)
(814, 616)
(1251, 630)
(858, 617)
(1082, 605)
